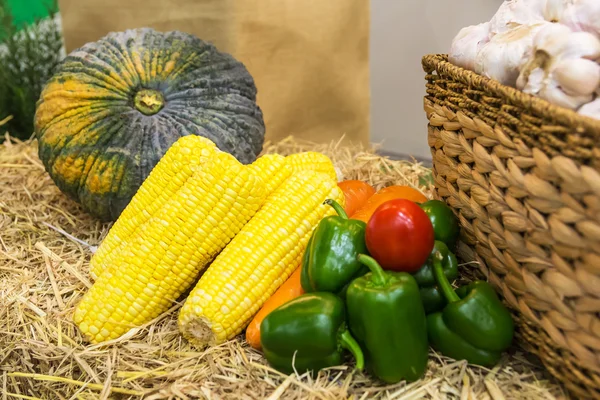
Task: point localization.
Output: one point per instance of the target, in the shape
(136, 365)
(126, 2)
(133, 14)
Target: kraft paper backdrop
(309, 58)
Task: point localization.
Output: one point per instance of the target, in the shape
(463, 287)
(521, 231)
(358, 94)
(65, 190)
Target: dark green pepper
(473, 326)
(445, 223)
(431, 295)
(454, 346)
(386, 316)
(304, 281)
(308, 333)
(330, 258)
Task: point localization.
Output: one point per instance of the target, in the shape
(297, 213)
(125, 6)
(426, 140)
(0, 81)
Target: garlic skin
(467, 43)
(591, 109)
(582, 15)
(514, 13)
(500, 59)
(560, 67)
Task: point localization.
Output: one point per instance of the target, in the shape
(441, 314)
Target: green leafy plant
(28, 58)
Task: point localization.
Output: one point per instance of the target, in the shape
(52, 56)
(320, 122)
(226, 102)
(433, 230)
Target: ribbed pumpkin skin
(99, 136)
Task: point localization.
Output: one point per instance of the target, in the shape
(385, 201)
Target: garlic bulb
(561, 66)
(583, 15)
(577, 76)
(467, 43)
(501, 57)
(514, 13)
(591, 109)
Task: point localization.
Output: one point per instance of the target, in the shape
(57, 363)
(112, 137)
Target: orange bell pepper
(388, 193)
(356, 192)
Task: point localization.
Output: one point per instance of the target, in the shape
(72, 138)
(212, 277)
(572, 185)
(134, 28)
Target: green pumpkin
(115, 106)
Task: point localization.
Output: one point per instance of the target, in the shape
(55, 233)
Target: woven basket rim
(564, 116)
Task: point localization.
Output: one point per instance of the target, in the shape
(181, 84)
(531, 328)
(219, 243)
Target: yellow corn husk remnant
(273, 169)
(312, 160)
(175, 244)
(258, 260)
(169, 176)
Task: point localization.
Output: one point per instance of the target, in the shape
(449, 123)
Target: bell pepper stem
(378, 276)
(441, 279)
(350, 344)
(337, 207)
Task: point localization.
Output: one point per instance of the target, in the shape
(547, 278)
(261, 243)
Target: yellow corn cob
(312, 160)
(258, 260)
(273, 169)
(171, 249)
(164, 181)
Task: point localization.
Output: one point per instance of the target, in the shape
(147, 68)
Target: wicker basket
(523, 177)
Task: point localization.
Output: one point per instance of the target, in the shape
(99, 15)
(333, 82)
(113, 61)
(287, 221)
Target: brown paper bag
(309, 58)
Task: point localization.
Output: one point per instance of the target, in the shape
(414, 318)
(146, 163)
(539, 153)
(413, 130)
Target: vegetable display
(268, 250)
(549, 49)
(113, 108)
(161, 134)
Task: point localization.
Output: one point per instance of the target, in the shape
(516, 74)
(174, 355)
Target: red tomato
(400, 235)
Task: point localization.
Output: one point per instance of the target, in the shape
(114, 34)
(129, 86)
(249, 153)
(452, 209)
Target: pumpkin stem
(149, 101)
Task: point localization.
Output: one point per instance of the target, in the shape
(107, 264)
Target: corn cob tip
(198, 331)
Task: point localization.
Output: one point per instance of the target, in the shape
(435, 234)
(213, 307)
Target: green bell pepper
(386, 316)
(330, 259)
(304, 281)
(431, 295)
(308, 333)
(445, 223)
(473, 326)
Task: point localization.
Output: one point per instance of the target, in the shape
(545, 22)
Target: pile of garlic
(548, 48)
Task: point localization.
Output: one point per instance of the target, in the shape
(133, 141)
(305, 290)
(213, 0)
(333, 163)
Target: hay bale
(44, 273)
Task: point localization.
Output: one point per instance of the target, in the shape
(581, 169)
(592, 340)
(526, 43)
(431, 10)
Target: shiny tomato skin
(400, 236)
